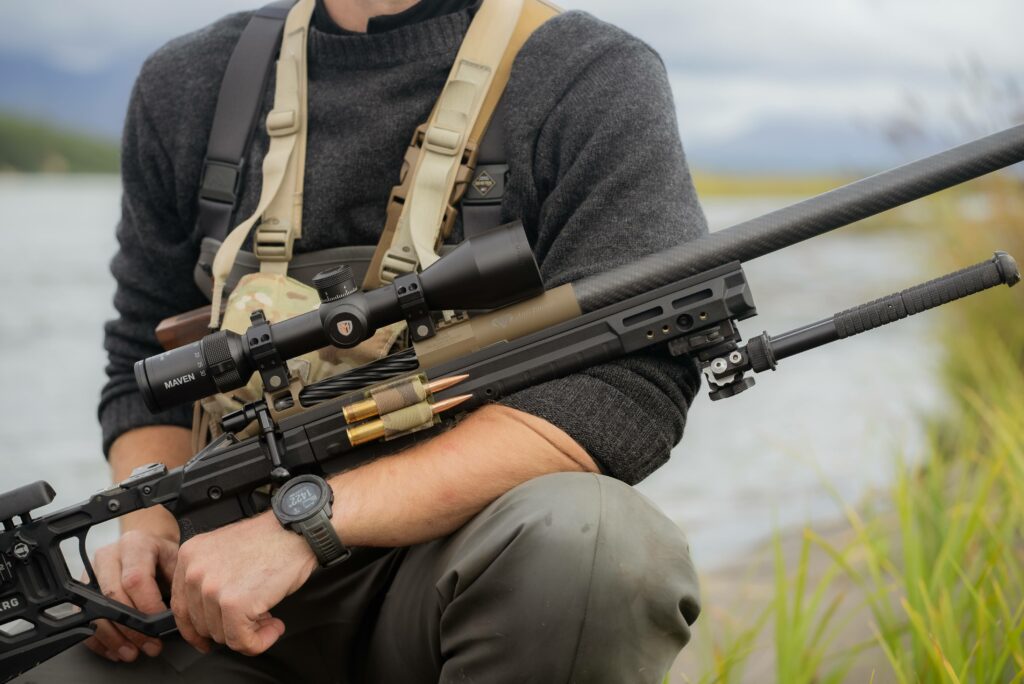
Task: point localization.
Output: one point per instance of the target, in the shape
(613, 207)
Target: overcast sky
(732, 63)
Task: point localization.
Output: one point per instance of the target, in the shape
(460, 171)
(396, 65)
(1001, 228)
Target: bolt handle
(1000, 269)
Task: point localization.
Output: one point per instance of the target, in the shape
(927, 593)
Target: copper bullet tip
(448, 404)
(441, 384)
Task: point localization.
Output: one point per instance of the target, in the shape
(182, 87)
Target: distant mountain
(802, 147)
(93, 102)
(27, 145)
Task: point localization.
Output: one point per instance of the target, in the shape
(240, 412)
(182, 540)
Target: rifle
(687, 300)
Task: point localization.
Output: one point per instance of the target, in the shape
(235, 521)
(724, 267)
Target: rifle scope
(489, 271)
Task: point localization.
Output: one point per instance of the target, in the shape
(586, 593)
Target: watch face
(300, 499)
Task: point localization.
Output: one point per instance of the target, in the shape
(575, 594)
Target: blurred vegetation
(927, 584)
(980, 103)
(31, 146)
(734, 185)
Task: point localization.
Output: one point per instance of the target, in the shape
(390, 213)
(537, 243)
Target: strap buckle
(281, 122)
(446, 137)
(273, 242)
(397, 261)
(221, 181)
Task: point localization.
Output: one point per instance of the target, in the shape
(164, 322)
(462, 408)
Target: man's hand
(227, 581)
(127, 571)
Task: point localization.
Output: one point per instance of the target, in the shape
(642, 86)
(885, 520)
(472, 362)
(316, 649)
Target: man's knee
(605, 546)
(579, 571)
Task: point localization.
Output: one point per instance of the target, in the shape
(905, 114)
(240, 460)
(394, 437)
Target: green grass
(29, 146)
(937, 565)
(943, 568)
(740, 185)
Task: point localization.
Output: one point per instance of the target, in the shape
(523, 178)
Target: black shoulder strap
(234, 121)
(481, 205)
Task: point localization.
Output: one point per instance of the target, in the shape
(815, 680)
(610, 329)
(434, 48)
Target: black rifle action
(687, 299)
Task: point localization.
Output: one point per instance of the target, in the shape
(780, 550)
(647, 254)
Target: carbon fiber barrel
(787, 226)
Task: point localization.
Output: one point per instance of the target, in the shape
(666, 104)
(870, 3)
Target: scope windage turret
(492, 270)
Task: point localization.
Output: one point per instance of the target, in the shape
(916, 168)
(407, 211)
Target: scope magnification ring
(217, 354)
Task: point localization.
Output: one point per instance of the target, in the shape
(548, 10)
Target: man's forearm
(167, 444)
(423, 493)
(227, 581)
(432, 489)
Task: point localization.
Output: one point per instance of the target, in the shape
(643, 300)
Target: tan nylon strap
(284, 123)
(447, 136)
(532, 15)
(281, 224)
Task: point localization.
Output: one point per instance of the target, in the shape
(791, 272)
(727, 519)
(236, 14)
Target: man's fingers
(109, 569)
(112, 642)
(179, 607)
(137, 639)
(194, 603)
(212, 617)
(248, 635)
(138, 580)
(182, 609)
(138, 576)
(167, 558)
(267, 633)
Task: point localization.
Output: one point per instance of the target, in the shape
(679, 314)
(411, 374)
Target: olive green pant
(568, 578)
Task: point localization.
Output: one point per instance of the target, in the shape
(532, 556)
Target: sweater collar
(423, 30)
(425, 9)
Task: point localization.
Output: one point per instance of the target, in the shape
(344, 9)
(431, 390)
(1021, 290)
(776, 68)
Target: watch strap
(323, 539)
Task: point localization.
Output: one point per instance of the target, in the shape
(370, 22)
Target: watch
(303, 505)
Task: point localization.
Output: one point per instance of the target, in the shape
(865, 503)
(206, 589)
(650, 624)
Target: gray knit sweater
(597, 177)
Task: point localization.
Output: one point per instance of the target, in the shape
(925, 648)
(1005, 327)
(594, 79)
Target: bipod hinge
(726, 372)
(723, 363)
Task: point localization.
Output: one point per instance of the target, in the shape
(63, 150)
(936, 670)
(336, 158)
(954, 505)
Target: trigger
(93, 582)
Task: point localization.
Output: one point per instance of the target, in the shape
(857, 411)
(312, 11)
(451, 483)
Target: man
(509, 548)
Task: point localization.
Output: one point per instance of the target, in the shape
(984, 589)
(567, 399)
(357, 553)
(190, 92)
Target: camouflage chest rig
(455, 162)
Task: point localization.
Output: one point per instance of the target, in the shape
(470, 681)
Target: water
(833, 416)
(828, 423)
